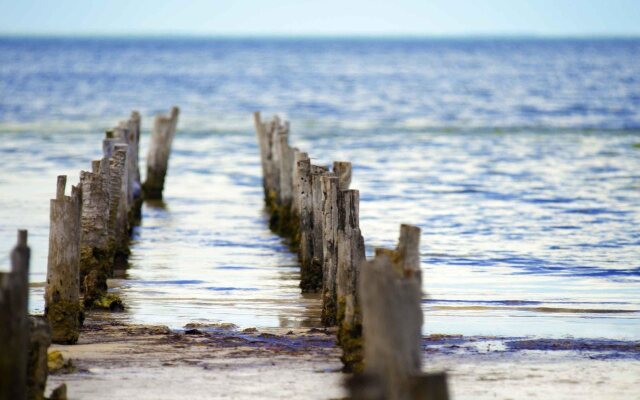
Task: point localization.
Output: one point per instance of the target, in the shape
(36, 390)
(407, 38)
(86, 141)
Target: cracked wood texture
(62, 290)
(329, 188)
(317, 234)
(351, 254)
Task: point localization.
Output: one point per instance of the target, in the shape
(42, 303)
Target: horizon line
(310, 35)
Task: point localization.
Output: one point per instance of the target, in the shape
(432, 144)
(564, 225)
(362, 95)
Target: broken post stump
(40, 340)
(62, 290)
(351, 254)
(390, 296)
(329, 187)
(164, 130)
(342, 169)
(14, 324)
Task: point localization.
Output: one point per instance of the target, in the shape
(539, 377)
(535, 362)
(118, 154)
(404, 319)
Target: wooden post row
(381, 297)
(86, 229)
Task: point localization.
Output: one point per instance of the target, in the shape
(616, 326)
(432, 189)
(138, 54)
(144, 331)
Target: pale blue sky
(321, 17)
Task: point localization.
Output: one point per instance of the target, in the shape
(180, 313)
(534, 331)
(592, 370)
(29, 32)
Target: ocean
(519, 159)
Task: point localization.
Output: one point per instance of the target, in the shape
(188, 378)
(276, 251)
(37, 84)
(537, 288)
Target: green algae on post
(110, 301)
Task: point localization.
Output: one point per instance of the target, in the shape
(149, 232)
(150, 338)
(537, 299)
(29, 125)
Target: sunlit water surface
(528, 197)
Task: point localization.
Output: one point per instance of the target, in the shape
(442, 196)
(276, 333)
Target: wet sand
(115, 359)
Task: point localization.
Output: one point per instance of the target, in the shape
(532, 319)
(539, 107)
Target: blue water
(416, 83)
(516, 157)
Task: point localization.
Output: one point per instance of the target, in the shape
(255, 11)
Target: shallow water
(529, 213)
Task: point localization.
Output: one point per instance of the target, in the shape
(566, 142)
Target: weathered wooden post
(390, 295)
(351, 254)
(314, 283)
(122, 215)
(286, 183)
(62, 291)
(40, 339)
(329, 187)
(124, 137)
(296, 234)
(164, 130)
(14, 325)
(273, 202)
(307, 280)
(297, 202)
(116, 171)
(133, 125)
(265, 150)
(392, 321)
(270, 179)
(95, 264)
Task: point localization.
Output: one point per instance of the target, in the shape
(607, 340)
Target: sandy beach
(118, 360)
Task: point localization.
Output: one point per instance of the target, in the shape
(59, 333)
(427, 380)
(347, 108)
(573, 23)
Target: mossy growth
(350, 340)
(352, 349)
(285, 221)
(135, 215)
(109, 301)
(294, 243)
(65, 318)
(98, 260)
(329, 310)
(270, 200)
(152, 190)
(56, 364)
(311, 277)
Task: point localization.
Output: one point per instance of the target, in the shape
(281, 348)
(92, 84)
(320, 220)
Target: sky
(321, 17)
